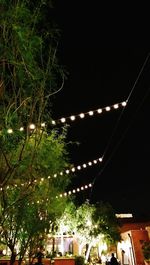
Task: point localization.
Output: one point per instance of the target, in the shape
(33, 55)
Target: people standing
(113, 260)
(39, 256)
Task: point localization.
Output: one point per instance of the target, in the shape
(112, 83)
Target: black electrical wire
(118, 122)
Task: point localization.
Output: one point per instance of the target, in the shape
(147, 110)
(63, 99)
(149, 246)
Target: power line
(117, 125)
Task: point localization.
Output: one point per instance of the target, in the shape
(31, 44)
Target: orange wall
(137, 237)
(64, 261)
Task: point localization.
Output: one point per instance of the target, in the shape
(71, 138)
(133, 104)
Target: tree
(107, 222)
(92, 224)
(98, 223)
(32, 153)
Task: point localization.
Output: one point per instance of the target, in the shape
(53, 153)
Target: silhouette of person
(113, 260)
(39, 256)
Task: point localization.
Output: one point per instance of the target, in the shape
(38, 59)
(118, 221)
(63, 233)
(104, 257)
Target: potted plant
(146, 252)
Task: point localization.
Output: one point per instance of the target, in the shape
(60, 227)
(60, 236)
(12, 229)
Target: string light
(70, 192)
(89, 113)
(72, 118)
(65, 194)
(67, 171)
(79, 167)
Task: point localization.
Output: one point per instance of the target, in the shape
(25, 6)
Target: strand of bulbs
(72, 118)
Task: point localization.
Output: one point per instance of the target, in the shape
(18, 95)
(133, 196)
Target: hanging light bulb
(62, 120)
(72, 118)
(32, 126)
(124, 103)
(99, 111)
(82, 115)
(10, 131)
(91, 112)
(107, 108)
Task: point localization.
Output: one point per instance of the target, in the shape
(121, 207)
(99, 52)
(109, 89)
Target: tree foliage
(107, 223)
(30, 159)
(91, 223)
(146, 250)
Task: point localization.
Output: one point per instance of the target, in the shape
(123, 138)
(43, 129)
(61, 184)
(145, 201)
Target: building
(133, 233)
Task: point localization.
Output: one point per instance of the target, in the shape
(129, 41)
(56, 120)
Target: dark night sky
(104, 49)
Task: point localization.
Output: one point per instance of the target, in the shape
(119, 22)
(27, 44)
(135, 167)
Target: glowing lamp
(99, 111)
(63, 120)
(116, 106)
(32, 126)
(91, 113)
(10, 131)
(72, 118)
(82, 115)
(107, 108)
(124, 103)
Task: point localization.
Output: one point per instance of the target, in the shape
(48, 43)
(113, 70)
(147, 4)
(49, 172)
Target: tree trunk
(12, 258)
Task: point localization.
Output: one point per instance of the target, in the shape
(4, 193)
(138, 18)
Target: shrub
(79, 260)
(146, 250)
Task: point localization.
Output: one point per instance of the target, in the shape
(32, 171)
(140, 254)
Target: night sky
(106, 52)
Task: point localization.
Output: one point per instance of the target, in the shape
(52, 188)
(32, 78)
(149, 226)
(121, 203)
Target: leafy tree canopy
(30, 159)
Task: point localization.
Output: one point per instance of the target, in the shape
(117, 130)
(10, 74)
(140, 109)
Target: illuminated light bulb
(82, 115)
(84, 165)
(124, 103)
(65, 194)
(60, 195)
(38, 202)
(91, 112)
(69, 192)
(107, 108)
(49, 177)
(72, 118)
(67, 171)
(95, 161)
(7, 187)
(116, 106)
(82, 188)
(99, 111)
(62, 119)
(55, 175)
(86, 186)
(1, 188)
(90, 185)
(32, 126)
(78, 189)
(53, 122)
(100, 159)
(61, 173)
(78, 167)
(56, 197)
(74, 191)
(21, 129)
(90, 163)
(43, 124)
(35, 181)
(42, 179)
(10, 131)
(73, 169)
